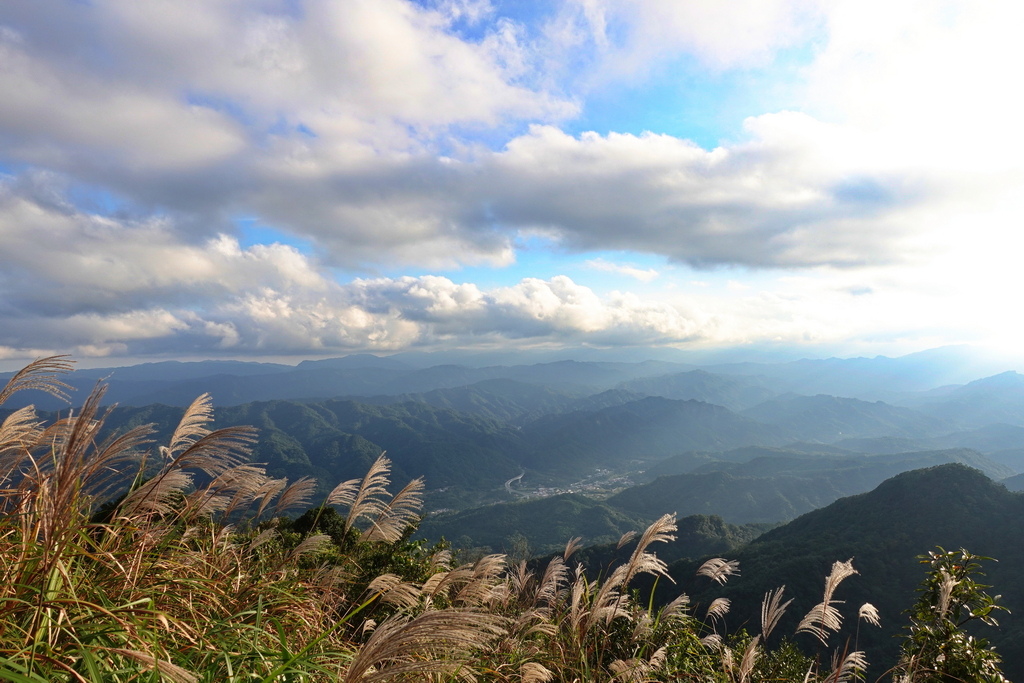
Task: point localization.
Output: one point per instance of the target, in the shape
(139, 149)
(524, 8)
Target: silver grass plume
(397, 515)
(719, 569)
(441, 561)
(853, 666)
(344, 493)
(158, 496)
(625, 538)
(19, 435)
(434, 642)
(440, 582)
(296, 495)
(77, 462)
(637, 670)
(42, 374)
(824, 617)
(772, 609)
(233, 488)
(749, 659)
(532, 672)
(643, 626)
(192, 447)
(571, 546)
(468, 583)
(676, 608)
(610, 601)
(641, 561)
(483, 586)
(555, 575)
(264, 537)
(394, 591)
(362, 498)
(728, 660)
(270, 489)
(520, 579)
(869, 613)
(718, 608)
(947, 583)
(579, 595)
(309, 545)
(712, 641)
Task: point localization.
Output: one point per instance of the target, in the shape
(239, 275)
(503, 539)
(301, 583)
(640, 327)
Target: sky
(288, 179)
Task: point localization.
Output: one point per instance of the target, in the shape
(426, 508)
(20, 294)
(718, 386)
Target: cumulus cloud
(797, 192)
(102, 285)
(782, 199)
(98, 285)
(327, 121)
(60, 259)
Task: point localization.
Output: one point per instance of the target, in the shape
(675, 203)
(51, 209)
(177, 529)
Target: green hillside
(544, 525)
(778, 487)
(697, 536)
(337, 440)
(884, 531)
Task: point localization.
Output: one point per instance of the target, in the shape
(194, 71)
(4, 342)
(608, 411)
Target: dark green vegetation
(883, 531)
(335, 440)
(780, 486)
(697, 536)
(529, 528)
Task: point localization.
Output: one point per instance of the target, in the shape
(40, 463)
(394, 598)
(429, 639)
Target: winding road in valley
(508, 484)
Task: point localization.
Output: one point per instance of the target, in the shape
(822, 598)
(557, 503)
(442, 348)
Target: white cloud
(631, 38)
(798, 192)
(108, 286)
(788, 197)
(58, 257)
(56, 115)
(929, 81)
(101, 285)
(630, 271)
(326, 122)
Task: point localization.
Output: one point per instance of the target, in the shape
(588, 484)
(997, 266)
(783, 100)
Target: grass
(123, 562)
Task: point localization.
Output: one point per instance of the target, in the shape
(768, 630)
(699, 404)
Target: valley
(751, 442)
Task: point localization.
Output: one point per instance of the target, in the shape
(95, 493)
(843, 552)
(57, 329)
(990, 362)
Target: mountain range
(560, 426)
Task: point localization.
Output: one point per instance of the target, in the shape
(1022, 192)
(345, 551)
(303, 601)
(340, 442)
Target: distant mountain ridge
(732, 392)
(828, 418)
(235, 383)
(780, 487)
(647, 429)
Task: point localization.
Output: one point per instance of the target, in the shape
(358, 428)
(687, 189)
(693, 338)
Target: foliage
(938, 647)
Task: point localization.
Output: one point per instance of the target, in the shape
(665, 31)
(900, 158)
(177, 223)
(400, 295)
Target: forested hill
(884, 530)
(334, 440)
